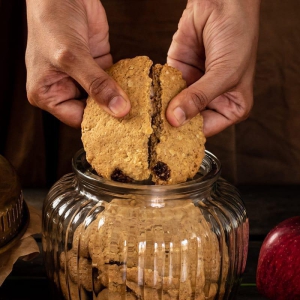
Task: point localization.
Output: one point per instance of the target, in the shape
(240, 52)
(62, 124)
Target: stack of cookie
(137, 253)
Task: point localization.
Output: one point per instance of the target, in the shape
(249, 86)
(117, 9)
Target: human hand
(67, 50)
(215, 48)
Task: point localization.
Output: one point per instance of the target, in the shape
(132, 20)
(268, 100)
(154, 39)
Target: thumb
(197, 96)
(97, 83)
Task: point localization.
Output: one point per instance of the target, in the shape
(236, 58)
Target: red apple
(278, 270)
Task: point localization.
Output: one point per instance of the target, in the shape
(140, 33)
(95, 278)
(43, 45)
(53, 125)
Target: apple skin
(278, 270)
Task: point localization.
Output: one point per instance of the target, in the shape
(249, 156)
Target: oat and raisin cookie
(115, 146)
(143, 143)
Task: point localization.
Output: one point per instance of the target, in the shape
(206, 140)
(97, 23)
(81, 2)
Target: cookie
(80, 270)
(143, 143)
(176, 153)
(118, 148)
(70, 290)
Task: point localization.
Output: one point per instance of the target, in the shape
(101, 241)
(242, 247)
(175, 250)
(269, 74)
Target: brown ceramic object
(14, 215)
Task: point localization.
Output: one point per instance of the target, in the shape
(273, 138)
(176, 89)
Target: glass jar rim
(208, 173)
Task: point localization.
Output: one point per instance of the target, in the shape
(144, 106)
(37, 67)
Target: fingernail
(117, 105)
(179, 114)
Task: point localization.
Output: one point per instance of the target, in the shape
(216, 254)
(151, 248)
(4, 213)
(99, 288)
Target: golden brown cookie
(120, 146)
(177, 153)
(70, 290)
(80, 268)
(85, 273)
(63, 285)
(62, 261)
(143, 142)
(71, 258)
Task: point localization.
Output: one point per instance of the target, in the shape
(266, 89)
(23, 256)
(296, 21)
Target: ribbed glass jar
(106, 240)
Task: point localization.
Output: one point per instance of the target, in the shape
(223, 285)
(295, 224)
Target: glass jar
(106, 240)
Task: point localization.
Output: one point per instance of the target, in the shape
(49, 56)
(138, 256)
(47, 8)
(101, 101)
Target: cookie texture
(143, 143)
(178, 152)
(119, 147)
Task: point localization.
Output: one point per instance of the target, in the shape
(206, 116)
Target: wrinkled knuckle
(30, 99)
(247, 110)
(64, 57)
(99, 86)
(37, 96)
(200, 100)
(242, 114)
(31, 95)
(243, 111)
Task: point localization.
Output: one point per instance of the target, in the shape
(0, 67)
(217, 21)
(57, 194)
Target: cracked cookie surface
(143, 143)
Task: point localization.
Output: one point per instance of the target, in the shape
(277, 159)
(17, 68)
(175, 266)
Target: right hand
(67, 52)
(215, 49)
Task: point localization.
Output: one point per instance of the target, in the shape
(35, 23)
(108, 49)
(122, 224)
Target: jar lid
(14, 215)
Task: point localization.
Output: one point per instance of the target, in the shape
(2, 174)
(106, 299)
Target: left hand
(67, 52)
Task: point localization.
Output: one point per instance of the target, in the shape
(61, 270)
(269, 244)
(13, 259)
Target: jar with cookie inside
(138, 241)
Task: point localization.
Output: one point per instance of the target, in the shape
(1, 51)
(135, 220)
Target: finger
(213, 122)
(69, 112)
(226, 110)
(96, 82)
(59, 89)
(186, 52)
(197, 96)
(60, 98)
(104, 62)
(42, 90)
(189, 73)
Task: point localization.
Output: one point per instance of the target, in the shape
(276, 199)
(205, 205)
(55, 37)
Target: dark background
(264, 149)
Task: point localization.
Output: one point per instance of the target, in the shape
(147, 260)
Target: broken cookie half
(143, 143)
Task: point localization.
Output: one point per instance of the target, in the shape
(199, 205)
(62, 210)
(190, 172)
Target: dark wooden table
(266, 206)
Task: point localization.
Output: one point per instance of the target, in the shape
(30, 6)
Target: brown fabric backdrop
(265, 149)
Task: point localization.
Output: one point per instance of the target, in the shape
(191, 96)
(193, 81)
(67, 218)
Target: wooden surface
(266, 206)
